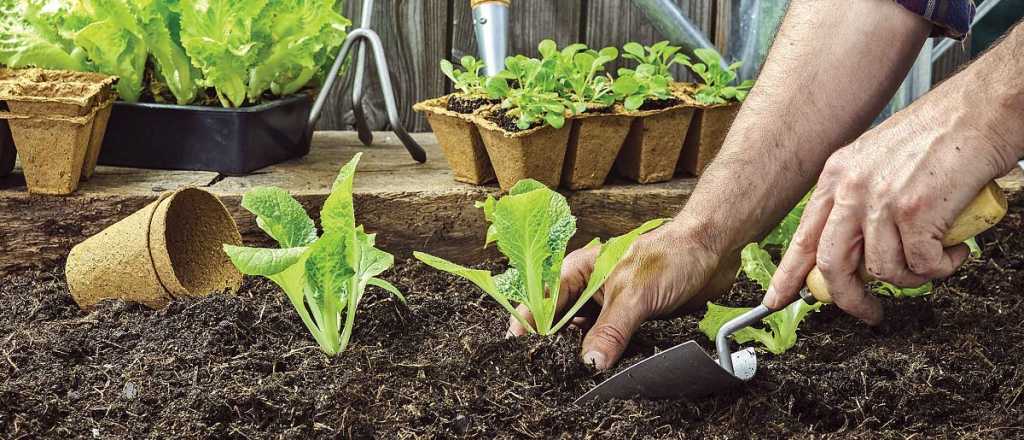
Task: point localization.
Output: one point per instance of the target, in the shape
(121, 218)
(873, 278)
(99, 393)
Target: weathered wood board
(411, 206)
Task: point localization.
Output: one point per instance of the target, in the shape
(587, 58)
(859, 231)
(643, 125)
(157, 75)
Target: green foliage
(634, 87)
(660, 55)
(582, 85)
(468, 81)
(324, 277)
(532, 226)
(242, 49)
(717, 88)
(536, 96)
(779, 334)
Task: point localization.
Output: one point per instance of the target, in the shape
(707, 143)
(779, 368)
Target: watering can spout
(490, 22)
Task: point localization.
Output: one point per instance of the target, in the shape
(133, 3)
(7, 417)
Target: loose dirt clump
(243, 366)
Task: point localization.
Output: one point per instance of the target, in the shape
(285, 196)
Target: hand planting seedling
(636, 87)
(468, 82)
(532, 226)
(322, 277)
(716, 88)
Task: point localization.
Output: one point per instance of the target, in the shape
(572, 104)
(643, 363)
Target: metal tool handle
(985, 210)
(490, 24)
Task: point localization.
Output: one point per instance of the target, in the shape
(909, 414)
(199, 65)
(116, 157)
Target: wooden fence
(418, 33)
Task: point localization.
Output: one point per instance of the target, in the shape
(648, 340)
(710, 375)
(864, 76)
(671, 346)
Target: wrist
(698, 234)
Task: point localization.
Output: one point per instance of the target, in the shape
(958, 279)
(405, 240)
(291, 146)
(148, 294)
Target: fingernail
(595, 359)
(768, 297)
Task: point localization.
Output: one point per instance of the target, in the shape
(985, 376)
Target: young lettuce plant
(583, 86)
(532, 226)
(716, 88)
(660, 55)
(468, 81)
(324, 277)
(536, 97)
(635, 87)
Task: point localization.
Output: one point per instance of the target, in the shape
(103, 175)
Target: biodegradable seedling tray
(460, 141)
(169, 249)
(594, 143)
(706, 135)
(537, 153)
(655, 140)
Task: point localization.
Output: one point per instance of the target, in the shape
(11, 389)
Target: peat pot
(594, 143)
(655, 140)
(460, 141)
(231, 141)
(707, 133)
(537, 153)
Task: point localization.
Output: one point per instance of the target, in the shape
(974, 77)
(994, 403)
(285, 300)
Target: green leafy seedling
(579, 69)
(324, 277)
(467, 80)
(532, 226)
(716, 87)
(634, 87)
(661, 55)
(536, 97)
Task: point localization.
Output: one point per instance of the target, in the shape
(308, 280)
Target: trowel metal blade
(683, 371)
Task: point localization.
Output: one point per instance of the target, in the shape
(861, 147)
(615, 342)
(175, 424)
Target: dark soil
(942, 366)
(507, 122)
(465, 106)
(658, 104)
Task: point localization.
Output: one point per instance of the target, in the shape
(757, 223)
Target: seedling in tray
(532, 226)
(323, 277)
(535, 97)
(579, 69)
(636, 87)
(716, 88)
(468, 82)
(660, 55)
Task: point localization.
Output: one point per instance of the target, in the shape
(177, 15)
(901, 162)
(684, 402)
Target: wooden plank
(614, 22)
(530, 21)
(413, 206)
(415, 37)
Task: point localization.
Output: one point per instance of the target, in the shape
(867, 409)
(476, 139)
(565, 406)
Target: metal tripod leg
(362, 128)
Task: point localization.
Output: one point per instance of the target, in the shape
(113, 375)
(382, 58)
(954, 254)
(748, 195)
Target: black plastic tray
(7, 152)
(228, 141)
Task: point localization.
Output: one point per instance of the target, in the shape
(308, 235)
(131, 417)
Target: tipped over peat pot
(57, 121)
(172, 248)
(459, 139)
(536, 153)
(594, 143)
(706, 135)
(655, 140)
(231, 141)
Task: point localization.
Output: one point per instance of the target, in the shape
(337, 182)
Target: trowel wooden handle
(987, 209)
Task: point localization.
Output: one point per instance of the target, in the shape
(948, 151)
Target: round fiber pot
(594, 143)
(459, 140)
(169, 249)
(707, 133)
(655, 140)
(537, 153)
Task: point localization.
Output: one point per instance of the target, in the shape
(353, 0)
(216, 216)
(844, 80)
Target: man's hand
(664, 274)
(888, 198)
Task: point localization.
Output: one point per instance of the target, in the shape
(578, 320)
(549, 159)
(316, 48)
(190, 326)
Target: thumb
(607, 339)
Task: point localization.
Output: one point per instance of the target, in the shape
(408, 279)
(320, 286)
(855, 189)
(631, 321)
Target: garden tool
(686, 371)
(490, 23)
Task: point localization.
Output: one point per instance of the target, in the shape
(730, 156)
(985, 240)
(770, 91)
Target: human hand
(887, 200)
(666, 272)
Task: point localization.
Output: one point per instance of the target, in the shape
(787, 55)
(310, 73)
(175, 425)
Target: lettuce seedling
(324, 277)
(635, 87)
(579, 68)
(660, 55)
(536, 96)
(468, 81)
(716, 88)
(532, 226)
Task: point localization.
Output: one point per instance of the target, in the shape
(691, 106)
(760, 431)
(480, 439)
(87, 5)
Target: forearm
(833, 67)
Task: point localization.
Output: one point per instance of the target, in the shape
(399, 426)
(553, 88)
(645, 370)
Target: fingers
(801, 255)
(515, 328)
(839, 254)
(608, 338)
(576, 269)
(925, 255)
(883, 252)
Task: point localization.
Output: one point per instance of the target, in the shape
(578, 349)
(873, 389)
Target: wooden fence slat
(415, 36)
(615, 22)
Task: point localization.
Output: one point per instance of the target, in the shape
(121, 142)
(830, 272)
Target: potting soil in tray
(942, 366)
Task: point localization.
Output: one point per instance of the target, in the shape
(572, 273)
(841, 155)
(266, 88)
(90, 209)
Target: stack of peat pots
(57, 120)
(649, 145)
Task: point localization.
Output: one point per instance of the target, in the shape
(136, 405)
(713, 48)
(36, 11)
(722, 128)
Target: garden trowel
(686, 371)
